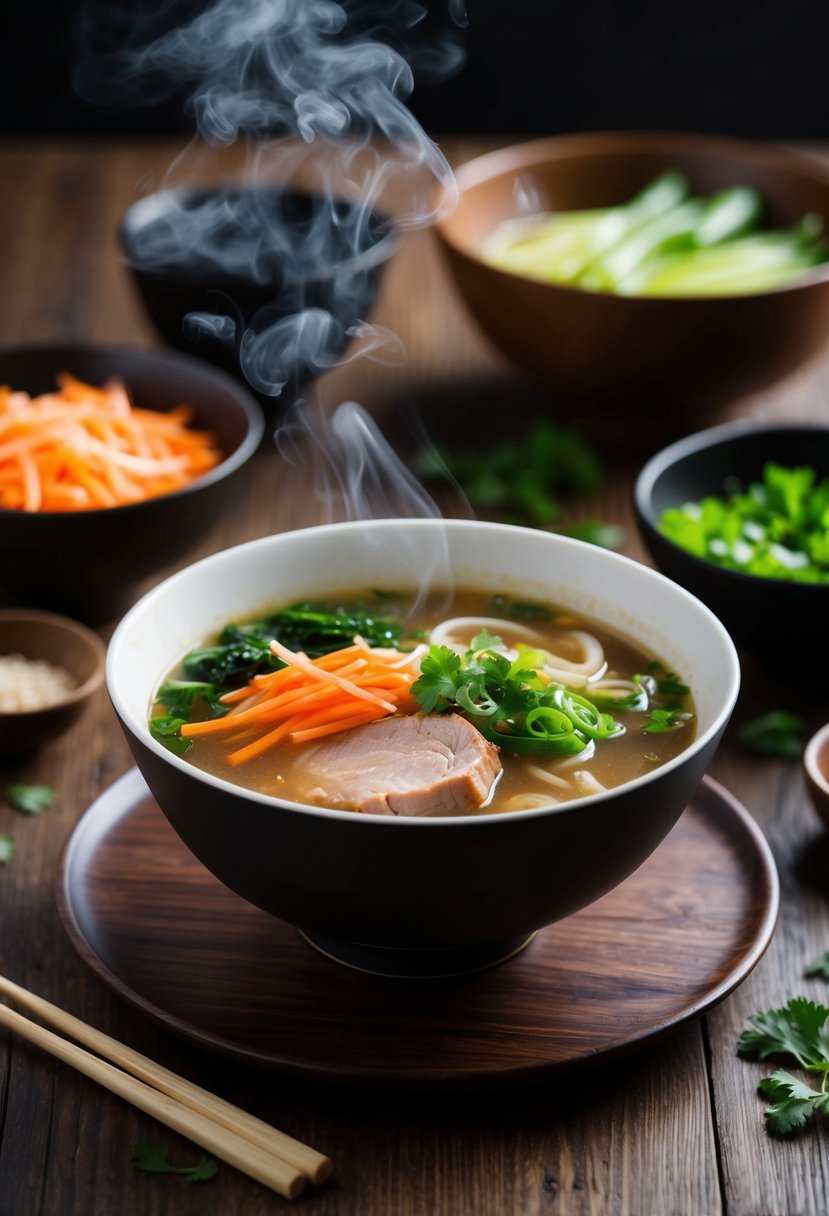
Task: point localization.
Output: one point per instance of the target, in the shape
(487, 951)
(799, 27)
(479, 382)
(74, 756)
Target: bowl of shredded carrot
(114, 464)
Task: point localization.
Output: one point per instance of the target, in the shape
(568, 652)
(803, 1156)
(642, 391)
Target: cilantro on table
(522, 481)
(154, 1159)
(799, 1031)
(776, 733)
(820, 966)
(30, 799)
(775, 528)
(507, 700)
(6, 849)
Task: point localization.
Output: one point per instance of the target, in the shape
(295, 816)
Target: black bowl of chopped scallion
(739, 515)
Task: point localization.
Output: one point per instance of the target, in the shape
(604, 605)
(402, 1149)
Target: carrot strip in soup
(311, 698)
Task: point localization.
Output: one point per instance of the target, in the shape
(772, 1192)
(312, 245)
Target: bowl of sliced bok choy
(661, 272)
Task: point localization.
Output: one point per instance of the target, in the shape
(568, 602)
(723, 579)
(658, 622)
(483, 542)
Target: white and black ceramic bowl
(419, 894)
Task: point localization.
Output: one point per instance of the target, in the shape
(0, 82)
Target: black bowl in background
(90, 564)
(251, 258)
(759, 613)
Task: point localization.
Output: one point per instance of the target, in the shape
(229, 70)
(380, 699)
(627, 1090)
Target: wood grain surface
(676, 1130)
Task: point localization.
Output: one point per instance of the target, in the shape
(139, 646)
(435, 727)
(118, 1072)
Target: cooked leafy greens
(800, 1030)
(243, 651)
(776, 528)
(6, 849)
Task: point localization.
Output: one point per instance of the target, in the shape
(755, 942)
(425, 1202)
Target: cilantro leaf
(153, 1159)
(820, 966)
(437, 686)
(794, 1102)
(6, 849)
(667, 682)
(776, 733)
(31, 799)
(799, 1029)
(662, 720)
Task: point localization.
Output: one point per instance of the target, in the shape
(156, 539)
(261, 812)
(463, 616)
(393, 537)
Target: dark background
(752, 69)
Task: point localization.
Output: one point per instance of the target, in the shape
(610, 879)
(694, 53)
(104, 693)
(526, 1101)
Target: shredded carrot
(310, 698)
(83, 448)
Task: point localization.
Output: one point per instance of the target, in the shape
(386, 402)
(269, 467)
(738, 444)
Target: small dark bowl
(250, 258)
(661, 358)
(758, 612)
(63, 643)
(90, 563)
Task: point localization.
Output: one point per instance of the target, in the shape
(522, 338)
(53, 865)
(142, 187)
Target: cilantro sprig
(154, 1159)
(799, 1031)
(522, 481)
(776, 733)
(508, 702)
(31, 799)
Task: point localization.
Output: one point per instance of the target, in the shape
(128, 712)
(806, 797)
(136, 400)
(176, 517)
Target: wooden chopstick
(271, 1156)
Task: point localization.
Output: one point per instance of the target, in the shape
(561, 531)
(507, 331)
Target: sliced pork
(437, 764)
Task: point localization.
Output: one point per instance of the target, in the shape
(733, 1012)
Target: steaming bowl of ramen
(530, 838)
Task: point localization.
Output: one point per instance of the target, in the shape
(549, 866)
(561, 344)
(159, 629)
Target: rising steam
(284, 76)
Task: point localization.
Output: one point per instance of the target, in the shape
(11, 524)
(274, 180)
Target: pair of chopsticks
(259, 1150)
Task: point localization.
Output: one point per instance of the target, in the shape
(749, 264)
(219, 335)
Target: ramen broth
(623, 672)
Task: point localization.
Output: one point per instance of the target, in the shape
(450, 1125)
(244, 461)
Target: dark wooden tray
(666, 945)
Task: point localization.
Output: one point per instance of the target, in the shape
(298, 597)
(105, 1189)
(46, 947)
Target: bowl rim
(368, 259)
(424, 823)
(812, 751)
(243, 398)
(691, 445)
(513, 158)
(60, 624)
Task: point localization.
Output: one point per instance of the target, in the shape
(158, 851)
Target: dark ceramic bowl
(250, 259)
(758, 612)
(476, 883)
(646, 356)
(61, 642)
(91, 563)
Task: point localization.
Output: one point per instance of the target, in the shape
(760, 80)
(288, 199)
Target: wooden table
(677, 1130)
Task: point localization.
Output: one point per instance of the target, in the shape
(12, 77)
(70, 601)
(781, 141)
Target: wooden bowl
(61, 642)
(90, 564)
(816, 768)
(648, 356)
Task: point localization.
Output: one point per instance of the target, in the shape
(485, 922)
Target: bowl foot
(431, 962)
